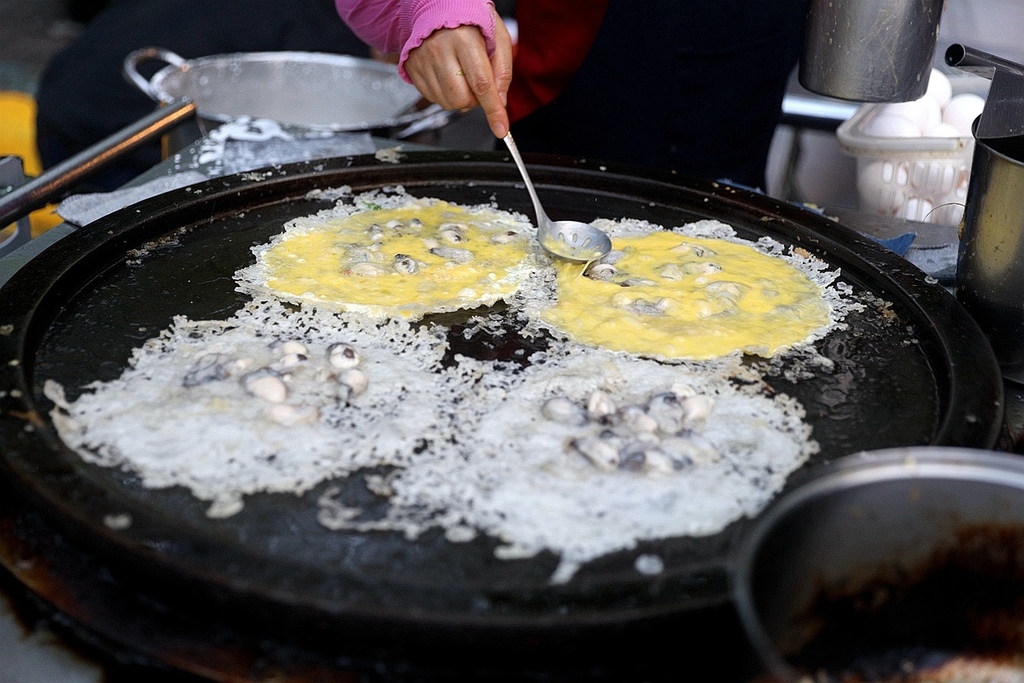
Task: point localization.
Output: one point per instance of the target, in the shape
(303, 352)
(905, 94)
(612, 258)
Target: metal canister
(870, 50)
(990, 264)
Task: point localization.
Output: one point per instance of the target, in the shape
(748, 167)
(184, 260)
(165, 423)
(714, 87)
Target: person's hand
(451, 67)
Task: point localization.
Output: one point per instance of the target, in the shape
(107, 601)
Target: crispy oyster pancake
(671, 296)
(395, 256)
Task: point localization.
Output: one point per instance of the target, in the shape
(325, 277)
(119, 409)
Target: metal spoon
(566, 239)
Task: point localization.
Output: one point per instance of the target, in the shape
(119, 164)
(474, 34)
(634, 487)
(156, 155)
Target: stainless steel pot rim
(869, 467)
(852, 471)
(158, 91)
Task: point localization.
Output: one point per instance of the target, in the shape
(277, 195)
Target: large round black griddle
(914, 370)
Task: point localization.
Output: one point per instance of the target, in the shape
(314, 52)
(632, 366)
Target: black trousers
(82, 96)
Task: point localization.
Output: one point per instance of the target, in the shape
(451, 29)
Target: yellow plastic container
(18, 138)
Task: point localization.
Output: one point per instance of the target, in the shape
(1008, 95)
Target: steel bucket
(990, 261)
(305, 90)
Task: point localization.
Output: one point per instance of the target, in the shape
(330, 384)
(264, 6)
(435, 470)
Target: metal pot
(870, 50)
(850, 572)
(305, 90)
(990, 263)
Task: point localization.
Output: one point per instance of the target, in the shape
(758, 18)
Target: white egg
(924, 112)
(917, 209)
(942, 130)
(939, 88)
(962, 110)
(882, 187)
(884, 125)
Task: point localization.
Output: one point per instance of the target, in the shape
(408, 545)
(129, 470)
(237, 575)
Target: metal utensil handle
(37, 192)
(511, 144)
(434, 117)
(131, 68)
(979, 63)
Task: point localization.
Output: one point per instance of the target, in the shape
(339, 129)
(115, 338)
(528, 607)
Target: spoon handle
(511, 144)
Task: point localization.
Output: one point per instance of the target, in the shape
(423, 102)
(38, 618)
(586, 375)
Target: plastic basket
(921, 179)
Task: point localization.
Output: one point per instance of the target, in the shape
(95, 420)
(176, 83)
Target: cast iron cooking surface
(918, 373)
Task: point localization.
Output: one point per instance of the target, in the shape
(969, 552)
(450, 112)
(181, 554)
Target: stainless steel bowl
(318, 91)
(877, 514)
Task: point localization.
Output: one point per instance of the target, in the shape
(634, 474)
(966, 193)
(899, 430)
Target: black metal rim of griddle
(33, 457)
(95, 603)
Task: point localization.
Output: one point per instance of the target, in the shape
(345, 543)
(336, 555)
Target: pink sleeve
(401, 25)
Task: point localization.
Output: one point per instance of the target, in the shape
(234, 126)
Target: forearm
(377, 22)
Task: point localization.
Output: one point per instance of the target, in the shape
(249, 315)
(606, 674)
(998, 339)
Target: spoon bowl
(570, 240)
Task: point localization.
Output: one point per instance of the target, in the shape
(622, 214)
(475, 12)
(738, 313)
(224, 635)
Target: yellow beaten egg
(422, 257)
(675, 297)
